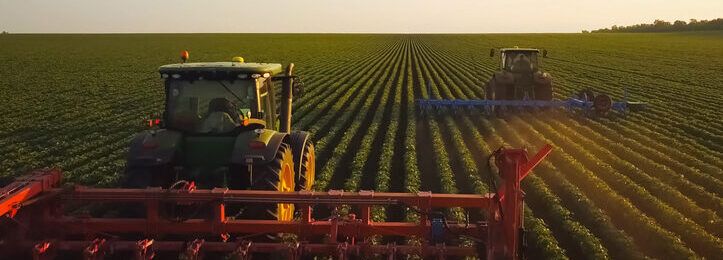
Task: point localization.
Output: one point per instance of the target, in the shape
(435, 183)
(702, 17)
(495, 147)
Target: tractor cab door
(506, 61)
(267, 102)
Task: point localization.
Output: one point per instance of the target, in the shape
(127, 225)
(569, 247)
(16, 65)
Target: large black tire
(277, 175)
(140, 177)
(304, 160)
(543, 92)
(136, 178)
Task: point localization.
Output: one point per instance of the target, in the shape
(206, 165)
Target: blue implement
(571, 103)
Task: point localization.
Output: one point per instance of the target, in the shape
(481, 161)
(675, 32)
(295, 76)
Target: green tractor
(223, 127)
(519, 77)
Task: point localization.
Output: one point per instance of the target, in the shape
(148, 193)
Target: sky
(347, 16)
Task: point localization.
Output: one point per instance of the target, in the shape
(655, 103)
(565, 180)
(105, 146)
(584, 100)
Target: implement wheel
(602, 104)
(276, 175)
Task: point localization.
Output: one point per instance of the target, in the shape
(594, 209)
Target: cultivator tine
(391, 251)
(96, 250)
(193, 250)
(441, 251)
(144, 250)
(273, 213)
(225, 237)
(43, 250)
(342, 251)
(294, 251)
(242, 251)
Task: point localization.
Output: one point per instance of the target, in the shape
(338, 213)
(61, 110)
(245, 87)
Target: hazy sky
(403, 16)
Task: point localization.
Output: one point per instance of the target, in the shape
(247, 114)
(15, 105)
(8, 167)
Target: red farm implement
(39, 223)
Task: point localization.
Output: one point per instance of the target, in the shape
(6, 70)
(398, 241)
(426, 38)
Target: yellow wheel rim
(285, 211)
(310, 169)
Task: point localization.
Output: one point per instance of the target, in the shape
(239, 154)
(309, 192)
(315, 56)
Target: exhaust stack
(287, 95)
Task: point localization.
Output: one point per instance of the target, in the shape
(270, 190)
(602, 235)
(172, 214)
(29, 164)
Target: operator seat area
(522, 68)
(222, 117)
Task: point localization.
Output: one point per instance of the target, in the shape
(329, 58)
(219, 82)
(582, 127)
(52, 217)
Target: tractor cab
(520, 76)
(218, 98)
(519, 59)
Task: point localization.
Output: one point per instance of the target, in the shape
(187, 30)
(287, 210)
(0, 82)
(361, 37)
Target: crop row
(543, 241)
(702, 220)
(545, 203)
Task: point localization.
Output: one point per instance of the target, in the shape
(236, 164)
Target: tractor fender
(244, 151)
(153, 147)
(542, 78)
(503, 78)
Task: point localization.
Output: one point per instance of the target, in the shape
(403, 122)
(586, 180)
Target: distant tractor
(519, 77)
(223, 127)
(520, 83)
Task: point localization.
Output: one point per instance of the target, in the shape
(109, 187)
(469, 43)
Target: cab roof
(230, 67)
(520, 49)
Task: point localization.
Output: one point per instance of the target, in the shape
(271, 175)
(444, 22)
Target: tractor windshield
(209, 106)
(519, 61)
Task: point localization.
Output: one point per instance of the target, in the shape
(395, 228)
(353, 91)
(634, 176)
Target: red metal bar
(421, 200)
(26, 187)
(71, 225)
(501, 233)
(535, 161)
(307, 248)
(505, 226)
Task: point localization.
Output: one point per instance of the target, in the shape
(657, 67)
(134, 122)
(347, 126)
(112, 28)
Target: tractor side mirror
(298, 87)
(544, 53)
(492, 52)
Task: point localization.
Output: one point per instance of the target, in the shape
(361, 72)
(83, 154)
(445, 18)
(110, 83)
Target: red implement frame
(43, 227)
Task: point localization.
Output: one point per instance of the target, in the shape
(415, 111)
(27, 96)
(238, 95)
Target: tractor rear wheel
(304, 160)
(308, 168)
(277, 175)
(543, 92)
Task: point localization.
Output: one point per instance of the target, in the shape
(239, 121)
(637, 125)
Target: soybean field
(641, 185)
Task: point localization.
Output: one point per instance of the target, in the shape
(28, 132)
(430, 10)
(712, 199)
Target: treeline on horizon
(665, 26)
